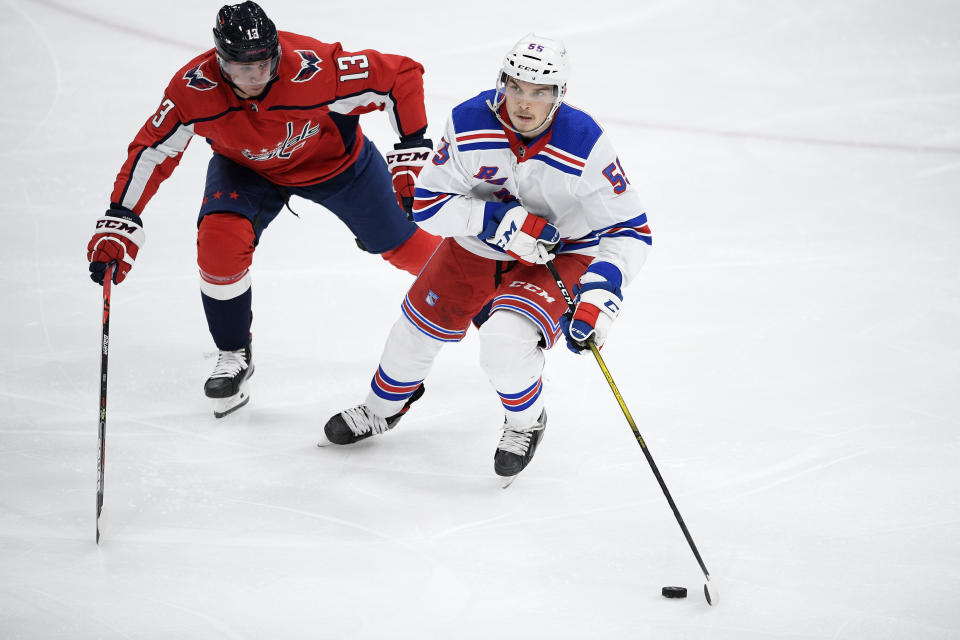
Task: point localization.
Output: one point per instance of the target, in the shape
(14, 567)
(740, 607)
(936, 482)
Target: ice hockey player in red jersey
(281, 113)
(520, 178)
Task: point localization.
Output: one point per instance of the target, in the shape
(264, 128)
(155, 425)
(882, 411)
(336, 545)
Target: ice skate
(227, 385)
(516, 449)
(359, 423)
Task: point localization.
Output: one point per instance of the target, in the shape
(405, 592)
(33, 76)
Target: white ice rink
(791, 351)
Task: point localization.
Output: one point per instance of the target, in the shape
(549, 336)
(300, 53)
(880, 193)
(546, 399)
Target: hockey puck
(674, 592)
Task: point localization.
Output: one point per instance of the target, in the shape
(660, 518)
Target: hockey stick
(709, 594)
(104, 352)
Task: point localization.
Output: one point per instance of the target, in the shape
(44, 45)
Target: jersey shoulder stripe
(558, 159)
(478, 140)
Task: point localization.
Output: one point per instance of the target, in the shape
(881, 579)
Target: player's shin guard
(414, 253)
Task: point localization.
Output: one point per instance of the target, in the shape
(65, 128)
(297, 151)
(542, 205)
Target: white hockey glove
(526, 237)
(597, 301)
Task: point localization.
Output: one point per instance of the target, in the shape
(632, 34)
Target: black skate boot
(517, 447)
(360, 423)
(227, 385)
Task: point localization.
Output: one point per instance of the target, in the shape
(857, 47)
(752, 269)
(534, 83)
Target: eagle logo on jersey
(196, 80)
(309, 65)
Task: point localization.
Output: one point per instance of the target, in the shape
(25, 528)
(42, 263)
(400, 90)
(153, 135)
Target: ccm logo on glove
(405, 165)
(117, 239)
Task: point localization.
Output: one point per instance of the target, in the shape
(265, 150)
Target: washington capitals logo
(196, 80)
(309, 65)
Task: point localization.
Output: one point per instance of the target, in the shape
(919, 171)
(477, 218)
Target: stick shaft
(104, 355)
(633, 425)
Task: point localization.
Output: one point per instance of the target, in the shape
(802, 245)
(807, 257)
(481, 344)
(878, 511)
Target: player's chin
(251, 91)
(524, 124)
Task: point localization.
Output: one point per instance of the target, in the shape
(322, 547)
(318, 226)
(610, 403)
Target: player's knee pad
(509, 348)
(225, 245)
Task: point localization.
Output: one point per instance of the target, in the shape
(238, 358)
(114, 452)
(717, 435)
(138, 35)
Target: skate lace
(229, 364)
(514, 441)
(361, 420)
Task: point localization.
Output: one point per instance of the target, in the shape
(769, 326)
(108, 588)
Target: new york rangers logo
(309, 65)
(196, 80)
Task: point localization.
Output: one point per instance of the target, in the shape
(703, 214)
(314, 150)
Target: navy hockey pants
(361, 197)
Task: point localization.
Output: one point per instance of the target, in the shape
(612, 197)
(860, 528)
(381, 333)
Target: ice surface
(791, 350)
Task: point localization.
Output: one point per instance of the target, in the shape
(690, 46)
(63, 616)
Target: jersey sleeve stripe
(346, 106)
(635, 228)
(427, 203)
(147, 162)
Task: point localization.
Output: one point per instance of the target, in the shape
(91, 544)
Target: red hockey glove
(406, 162)
(526, 237)
(118, 238)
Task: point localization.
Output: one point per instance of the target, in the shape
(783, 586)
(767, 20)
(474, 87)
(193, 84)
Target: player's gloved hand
(118, 237)
(526, 237)
(597, 301)
(406, 162)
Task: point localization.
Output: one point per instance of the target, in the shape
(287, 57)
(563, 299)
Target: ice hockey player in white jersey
(518, 179)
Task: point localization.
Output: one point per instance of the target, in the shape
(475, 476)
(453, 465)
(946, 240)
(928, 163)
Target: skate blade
(225, 406)
(325, 443)
(507, 481)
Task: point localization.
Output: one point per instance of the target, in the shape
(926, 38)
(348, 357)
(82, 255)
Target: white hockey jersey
(570, 175)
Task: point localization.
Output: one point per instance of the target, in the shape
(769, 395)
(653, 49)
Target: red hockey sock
(414, 253)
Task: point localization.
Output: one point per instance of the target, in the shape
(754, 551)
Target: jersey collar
(524, 151)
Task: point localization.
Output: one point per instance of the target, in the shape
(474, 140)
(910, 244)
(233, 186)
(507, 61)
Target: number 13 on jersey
(347, 63)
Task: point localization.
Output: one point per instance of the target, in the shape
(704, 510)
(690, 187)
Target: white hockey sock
(407, 359)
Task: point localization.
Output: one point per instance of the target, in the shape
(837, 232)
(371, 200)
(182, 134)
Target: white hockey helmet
(539, 60)
(535, 59)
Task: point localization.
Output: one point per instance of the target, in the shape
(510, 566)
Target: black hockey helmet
(244, 33)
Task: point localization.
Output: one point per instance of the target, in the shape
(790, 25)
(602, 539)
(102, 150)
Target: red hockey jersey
(304, 128)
